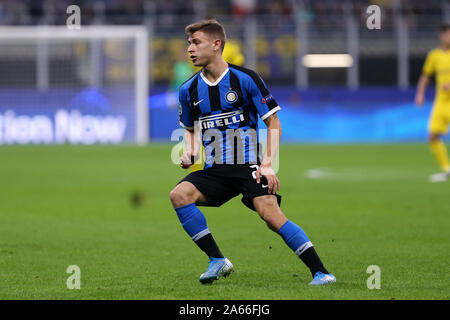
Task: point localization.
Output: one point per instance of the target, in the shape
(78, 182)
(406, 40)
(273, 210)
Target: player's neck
(445, 47)
(215, 69)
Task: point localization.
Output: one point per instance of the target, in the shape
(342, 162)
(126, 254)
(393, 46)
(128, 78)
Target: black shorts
(221, 183)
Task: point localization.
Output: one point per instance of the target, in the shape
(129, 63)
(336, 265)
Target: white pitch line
(361, 174)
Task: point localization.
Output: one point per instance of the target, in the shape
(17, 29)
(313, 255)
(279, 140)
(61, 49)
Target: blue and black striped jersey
(227, 112)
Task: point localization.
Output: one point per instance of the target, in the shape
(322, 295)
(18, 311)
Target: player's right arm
(188, 157)
(424, 80)
(191, 136)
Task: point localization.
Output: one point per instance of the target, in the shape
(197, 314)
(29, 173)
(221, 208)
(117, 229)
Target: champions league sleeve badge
(267, 99)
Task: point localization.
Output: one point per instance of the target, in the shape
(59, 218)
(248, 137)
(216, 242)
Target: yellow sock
(439, 151)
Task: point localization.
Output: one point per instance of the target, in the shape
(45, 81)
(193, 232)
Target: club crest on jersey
(231, 96)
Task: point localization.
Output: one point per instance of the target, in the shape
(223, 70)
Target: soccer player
(231, 54)
(224, 100)
(438, 63)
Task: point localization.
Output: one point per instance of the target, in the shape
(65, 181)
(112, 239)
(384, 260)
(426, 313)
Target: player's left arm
(267, 107)
(273, 142)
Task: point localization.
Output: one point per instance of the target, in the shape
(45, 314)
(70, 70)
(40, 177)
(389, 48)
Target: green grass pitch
(361, 205)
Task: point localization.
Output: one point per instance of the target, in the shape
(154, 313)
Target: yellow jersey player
(438, 63)
(232, 53)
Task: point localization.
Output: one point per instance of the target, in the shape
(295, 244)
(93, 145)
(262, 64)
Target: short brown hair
(445, 27)
(210, 27)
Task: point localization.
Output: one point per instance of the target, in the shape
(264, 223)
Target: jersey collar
(217, 81)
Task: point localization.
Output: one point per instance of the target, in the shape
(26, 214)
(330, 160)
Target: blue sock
(193, 221)
(295, 237)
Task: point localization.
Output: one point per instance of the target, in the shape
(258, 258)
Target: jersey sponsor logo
(231, 96)
(221, 119)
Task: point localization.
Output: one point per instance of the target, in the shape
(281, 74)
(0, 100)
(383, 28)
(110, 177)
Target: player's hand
(446, 87)
(272, 180)
(420, 99)
(187, 160)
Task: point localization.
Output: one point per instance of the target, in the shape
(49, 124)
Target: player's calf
(294, 236)
(298, 241)
(183, 198)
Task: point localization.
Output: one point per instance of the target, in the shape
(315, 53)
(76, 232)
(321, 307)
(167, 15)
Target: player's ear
(217, 43)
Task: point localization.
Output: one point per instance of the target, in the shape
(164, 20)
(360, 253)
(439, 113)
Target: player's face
(201, 48)
(445, 37)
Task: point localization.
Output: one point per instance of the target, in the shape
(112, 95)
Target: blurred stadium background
(358, 101)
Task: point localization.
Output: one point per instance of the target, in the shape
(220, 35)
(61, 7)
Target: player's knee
(265, 204)
(269, 211)
(173, 196)
(274, 220)
(179, 197)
